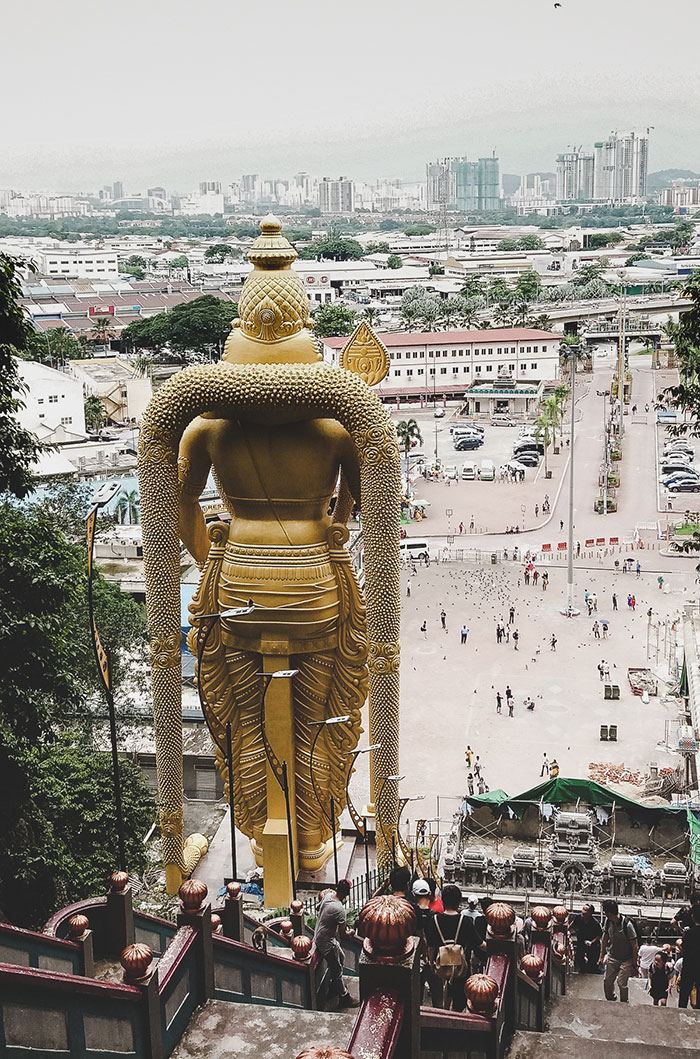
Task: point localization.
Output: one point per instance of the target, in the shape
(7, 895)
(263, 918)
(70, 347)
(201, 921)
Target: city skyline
(172, 106)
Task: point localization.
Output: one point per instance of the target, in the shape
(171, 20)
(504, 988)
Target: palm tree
(128, 507)
(542, 425)
(520, 312)
(543, 322)
(451, 310)
(408, 431)
(555, 413)
(571, 352)
(371, 315)
(103, 331)
(94, 413)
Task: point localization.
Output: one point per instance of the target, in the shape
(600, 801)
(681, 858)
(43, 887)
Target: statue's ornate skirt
(294, 591)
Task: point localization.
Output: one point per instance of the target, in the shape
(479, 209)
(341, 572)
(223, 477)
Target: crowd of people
(453, 943)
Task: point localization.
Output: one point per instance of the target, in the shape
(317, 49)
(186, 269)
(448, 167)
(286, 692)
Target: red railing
(378, 1025)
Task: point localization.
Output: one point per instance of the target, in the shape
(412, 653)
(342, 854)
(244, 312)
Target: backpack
(450, 962)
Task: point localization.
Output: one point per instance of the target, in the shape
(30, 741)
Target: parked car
(675, 467)
(503, 421)
(439, 413)
(462, 444)
(688, 454)
(528, 446)
(450, 472)
(527, 459)
(685, 485)
(673, 479)
(470, 428)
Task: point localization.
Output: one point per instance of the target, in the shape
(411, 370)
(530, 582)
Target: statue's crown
(273, 310)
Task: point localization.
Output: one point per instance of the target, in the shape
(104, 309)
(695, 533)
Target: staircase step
(590, 987)
(601, 1020)
(527, 1045)
(257, 1031)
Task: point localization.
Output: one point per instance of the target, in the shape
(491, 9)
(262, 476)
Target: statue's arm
(194, 464)
(351, 468)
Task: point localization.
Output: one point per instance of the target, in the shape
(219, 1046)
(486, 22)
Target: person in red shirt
(436, 904)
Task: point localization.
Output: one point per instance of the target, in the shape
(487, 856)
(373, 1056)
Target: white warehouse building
(446, 364)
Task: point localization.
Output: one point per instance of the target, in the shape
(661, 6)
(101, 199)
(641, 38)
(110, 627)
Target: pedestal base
(277, 868)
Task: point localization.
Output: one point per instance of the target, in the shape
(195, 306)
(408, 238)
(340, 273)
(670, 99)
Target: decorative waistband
(290, 553)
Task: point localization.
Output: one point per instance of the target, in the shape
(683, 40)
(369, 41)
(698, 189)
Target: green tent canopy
(561, 791)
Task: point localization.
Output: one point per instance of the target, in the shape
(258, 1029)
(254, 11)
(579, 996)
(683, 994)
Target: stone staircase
(219, 1030)
(583, 1024)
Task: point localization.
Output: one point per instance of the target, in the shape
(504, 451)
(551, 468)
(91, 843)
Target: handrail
(439, 1019)
(174, 955)
(374, 1033)
(35, 937)
(57, 981)
(78, 908)
(249, 950)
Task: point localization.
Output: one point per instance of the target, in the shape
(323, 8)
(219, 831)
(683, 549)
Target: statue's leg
(311, 693)
(242, 707)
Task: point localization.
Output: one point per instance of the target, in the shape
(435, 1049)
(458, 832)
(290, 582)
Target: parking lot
(437, 438)
(675, 496)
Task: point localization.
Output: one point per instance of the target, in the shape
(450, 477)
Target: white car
(439, 413)
(450, 472)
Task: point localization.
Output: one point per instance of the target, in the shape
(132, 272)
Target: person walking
(553, 643)
(614, 601)
(527, 575)
(601, 669)
(535, 575)
(511, 704)
(588, 934)
(620, 943)
(464, 633)
(537, 510)
(424, 629)
(516, 637)
(470, 783)
(408, 588)
(469, 755)
(498, 632)
(443, 620)
(553, 769)
(511, 614)
(331, 926)
(461, 527)
(477, 766)
(544, 771)
(633, 603)
(561, 524)
(658, 977)
(690, 972)
(589, 604)
(638, 568)
(596, 630)
(545, 581)
(499, 701)
(509, 695)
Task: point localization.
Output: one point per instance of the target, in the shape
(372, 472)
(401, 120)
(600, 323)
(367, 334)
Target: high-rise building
(117, 190)
(336, 196)
(620, 168)
(210, 187)
(575, 176)
(462, 185)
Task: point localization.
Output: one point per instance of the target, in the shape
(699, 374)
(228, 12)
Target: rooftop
(437, 338)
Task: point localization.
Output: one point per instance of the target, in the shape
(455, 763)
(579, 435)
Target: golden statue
(279, 430)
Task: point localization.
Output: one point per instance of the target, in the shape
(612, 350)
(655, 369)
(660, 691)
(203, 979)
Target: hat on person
(472, 900)
(420, 888)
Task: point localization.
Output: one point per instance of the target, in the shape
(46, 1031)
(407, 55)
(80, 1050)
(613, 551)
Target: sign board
(101, 310)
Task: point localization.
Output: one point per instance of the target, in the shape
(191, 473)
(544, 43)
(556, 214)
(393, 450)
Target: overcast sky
(172, 93)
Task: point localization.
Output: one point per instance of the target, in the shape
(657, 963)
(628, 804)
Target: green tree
(543, 425)
(499, 291)
(103, 330)
(54, 347)
(200, 326)
(451, 311)
(333, 320)
(519, 312)
(179, 262)
(60, 845)
(372, 315)
(408, 434)
(542, 322)
(528, 286)
(128, 506)
(335, 247)
(376, 248)
(530, 242)
(634, 258)
(508, 244)
(586, 274)
(218, 253)
(419, 229)
(94, 413)
(686, 337)
(19, 448)
(389, 225)
(473, 287)
(151, 332)
(394, 261)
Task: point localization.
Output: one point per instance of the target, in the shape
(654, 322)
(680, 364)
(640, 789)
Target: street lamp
(206, 623)
(320, 725)
(403, 802)
(273, 761)
(384, 780)
(104, 664)
(360, 822)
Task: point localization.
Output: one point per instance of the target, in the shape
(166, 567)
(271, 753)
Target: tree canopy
(686, 336)
(48, 683)
(198, 326)
(332, 248)
(18, 448)
(332, 320)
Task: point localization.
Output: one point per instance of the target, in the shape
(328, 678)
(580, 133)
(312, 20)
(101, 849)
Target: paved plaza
(449, 688)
